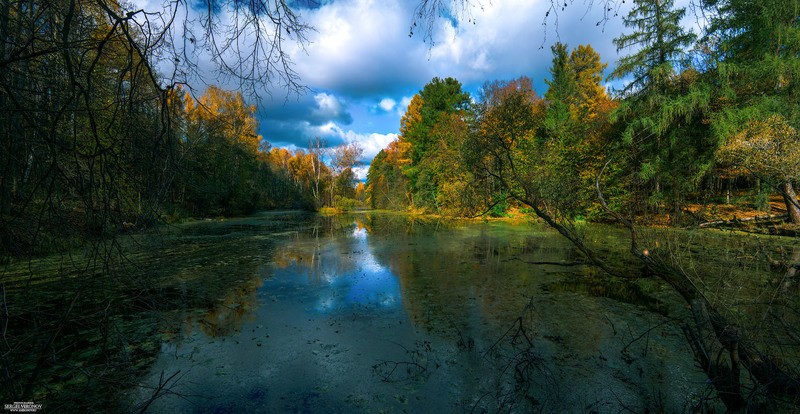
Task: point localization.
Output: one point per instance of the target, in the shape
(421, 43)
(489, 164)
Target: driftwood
(770, 218)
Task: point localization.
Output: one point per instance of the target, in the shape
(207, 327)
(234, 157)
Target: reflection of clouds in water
(375, 288)
(368, 284)
(326, 303)
(360, 232)
(340, 276)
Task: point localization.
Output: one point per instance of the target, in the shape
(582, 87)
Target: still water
(383, 313)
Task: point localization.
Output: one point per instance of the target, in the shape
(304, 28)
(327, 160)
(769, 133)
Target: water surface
(383, 313)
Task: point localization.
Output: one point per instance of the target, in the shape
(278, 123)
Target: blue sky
(362, 68)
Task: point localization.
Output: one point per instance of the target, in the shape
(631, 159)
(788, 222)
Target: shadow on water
(618, 290)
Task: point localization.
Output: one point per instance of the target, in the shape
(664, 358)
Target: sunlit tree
(756, 64)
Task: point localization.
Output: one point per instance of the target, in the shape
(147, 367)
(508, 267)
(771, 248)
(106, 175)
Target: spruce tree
(662, 109)
(757, 68)
(660, 40)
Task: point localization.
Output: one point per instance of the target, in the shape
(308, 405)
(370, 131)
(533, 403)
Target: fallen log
(735, 221)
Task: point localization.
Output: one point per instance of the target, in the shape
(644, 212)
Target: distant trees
(343, 185)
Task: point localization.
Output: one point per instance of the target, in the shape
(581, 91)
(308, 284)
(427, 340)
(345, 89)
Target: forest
(95, 143)
(697, 119)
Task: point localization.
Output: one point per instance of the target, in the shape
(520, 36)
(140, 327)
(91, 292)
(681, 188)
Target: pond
(384, 313)
(370, 312)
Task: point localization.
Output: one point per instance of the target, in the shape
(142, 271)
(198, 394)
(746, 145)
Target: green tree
(659, 40)
(437, 99)
(575, 120)
(756, 63)
(560, 96)
(662, 112)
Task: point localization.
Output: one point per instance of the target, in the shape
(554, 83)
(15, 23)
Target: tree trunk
(790, 198)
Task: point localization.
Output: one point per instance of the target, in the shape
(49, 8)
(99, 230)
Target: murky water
(381, 313)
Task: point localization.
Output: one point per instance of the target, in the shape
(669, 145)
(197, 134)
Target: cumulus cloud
(329, 108)
(387, 104)
(364, 68)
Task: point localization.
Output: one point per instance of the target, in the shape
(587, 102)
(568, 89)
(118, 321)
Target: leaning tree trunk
(790, 198)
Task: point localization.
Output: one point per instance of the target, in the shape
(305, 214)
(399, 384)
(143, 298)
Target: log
(734, 221)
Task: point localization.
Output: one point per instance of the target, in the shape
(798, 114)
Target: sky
(361, 66)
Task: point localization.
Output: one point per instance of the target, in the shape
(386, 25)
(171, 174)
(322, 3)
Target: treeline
(225, 167)
(142, 161)
(93, 143)
(694, 117)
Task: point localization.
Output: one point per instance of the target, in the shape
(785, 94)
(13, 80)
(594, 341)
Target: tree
(768, 148)
(507, 118)
(662, 113)
(575, 121)
(221, 146)
(437, 97)
(560, 96)
(343, 159)
(316, 149)
(437, 100)
(660, 39)
(756, 68)
(387, 185)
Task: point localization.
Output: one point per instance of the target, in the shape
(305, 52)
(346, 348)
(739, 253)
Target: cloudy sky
(362, 67)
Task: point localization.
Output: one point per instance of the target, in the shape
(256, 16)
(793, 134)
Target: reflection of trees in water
(230, 312)
(86, 330)
(449, 275)
(469, 285)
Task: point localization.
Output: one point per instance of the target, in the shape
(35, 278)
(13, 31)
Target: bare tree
(316, 148)
(343, 159)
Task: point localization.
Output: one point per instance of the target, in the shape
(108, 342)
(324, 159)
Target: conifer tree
(660, 40)
(757, 63)
(660, 115)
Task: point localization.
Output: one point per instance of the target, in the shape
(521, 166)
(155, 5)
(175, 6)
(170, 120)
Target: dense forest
(121, 168)
(95, 140)
(696, 118)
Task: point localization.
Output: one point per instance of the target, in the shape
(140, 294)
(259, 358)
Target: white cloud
(387, 104)
(335, 135)
(371, 143)
(329, 107)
